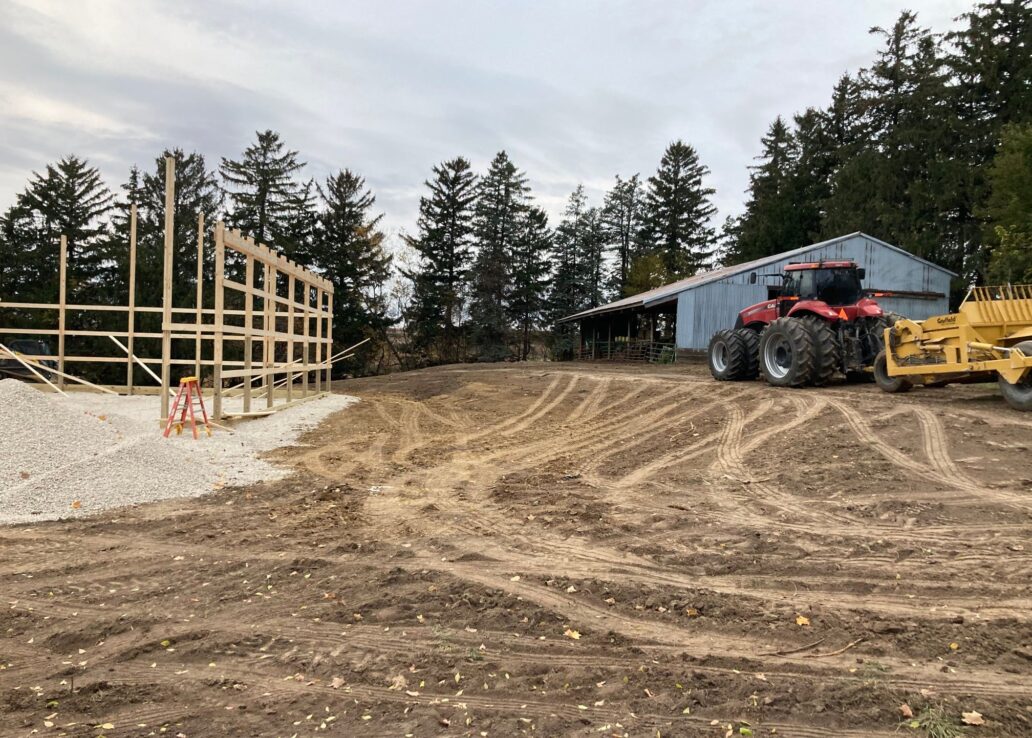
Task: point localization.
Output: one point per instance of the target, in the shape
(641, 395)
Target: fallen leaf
(76, 504)
(954, 646)
(905, 710)
(802, 620)
(569, 633)
(336, 683)
(24, 475)
(107, 726)
(972, 718)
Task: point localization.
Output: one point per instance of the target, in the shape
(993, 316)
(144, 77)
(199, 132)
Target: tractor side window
(807, 287)
(790, 286)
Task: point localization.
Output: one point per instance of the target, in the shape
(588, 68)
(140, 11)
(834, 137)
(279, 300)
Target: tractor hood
(865, 308)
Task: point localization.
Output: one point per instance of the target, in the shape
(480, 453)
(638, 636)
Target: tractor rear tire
(729, 357)
(1019, 396)
(751, 339)
(787, 353)
(884, 381)
(826, 351)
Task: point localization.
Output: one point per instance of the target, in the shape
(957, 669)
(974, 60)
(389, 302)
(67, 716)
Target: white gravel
(63, 457)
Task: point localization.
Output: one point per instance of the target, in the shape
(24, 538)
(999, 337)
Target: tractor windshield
(835, 286)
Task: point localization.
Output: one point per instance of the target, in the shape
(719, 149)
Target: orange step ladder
(188, 397)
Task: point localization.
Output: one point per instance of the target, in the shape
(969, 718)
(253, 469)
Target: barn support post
(166, 292)
(269, 323)
(131, 327)
(249, 326)
(220, 263)
(200, 294)
(609, 340)
(63, 309)
(291, 296)
(329, 337)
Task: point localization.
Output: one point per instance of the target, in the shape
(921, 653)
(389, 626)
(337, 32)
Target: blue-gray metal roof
(669, 292)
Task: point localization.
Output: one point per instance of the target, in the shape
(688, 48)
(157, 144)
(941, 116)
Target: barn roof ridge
(668, 292)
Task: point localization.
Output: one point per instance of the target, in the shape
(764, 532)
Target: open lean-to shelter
(683, 315)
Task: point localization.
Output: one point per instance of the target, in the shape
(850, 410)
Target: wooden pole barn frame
(288, 314)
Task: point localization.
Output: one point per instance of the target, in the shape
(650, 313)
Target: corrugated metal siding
(703, 310)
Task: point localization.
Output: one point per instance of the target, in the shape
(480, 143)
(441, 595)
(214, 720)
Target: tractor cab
(835, 283)
(831, 290)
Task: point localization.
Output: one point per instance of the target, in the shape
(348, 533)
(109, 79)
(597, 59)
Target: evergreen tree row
(492, 273)
(329, 227)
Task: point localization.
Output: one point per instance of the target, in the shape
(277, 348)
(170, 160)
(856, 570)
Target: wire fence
(651, 352)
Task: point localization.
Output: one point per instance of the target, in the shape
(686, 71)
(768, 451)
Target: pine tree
(444, 245)
(263, 192)
(348, 251)
(622, 218)
(770, 223)
(1009, 209)
(197, 191)
(678, 211)
(895, 183)
(592, 247)
(500, 207)
(529, 275)
(68, 199)
(815, 166)
(567, 295)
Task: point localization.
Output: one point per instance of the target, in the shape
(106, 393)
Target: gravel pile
(64, 457)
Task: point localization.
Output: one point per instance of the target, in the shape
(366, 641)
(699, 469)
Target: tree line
(929, 148)
(926, 148)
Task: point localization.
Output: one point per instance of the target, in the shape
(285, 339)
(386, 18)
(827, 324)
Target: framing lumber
(131, 328)
(200, 294)
(220, 266)
(25, 364)
(62, 314)
(248, 325)
(28, 363)
(166, 285)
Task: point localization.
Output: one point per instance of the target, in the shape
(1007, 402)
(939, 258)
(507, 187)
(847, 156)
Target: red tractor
(819, 323)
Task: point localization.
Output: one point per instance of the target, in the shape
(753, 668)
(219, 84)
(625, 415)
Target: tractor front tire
(787, 353)
(1019, 396)
(884, 381)
(729, 357)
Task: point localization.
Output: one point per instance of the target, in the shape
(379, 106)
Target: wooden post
(131, 328)
(61, 315)
(290, 333)
(269, 345)
(304, 333)
(609, 341)
(329, 336)
(200, 294)
(249, 324)
(166, 294)
(220, 258)
(318, 338)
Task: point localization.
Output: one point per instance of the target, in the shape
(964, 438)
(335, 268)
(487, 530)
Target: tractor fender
(813, 307)
(868, 308)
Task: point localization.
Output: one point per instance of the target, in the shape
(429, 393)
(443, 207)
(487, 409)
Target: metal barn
(685, 314)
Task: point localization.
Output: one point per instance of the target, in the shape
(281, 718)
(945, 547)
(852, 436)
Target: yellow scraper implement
(989, 338)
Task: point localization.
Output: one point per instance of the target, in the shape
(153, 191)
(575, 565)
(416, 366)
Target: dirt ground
(555, 550)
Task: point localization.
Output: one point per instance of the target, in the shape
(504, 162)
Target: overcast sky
(576, 92)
